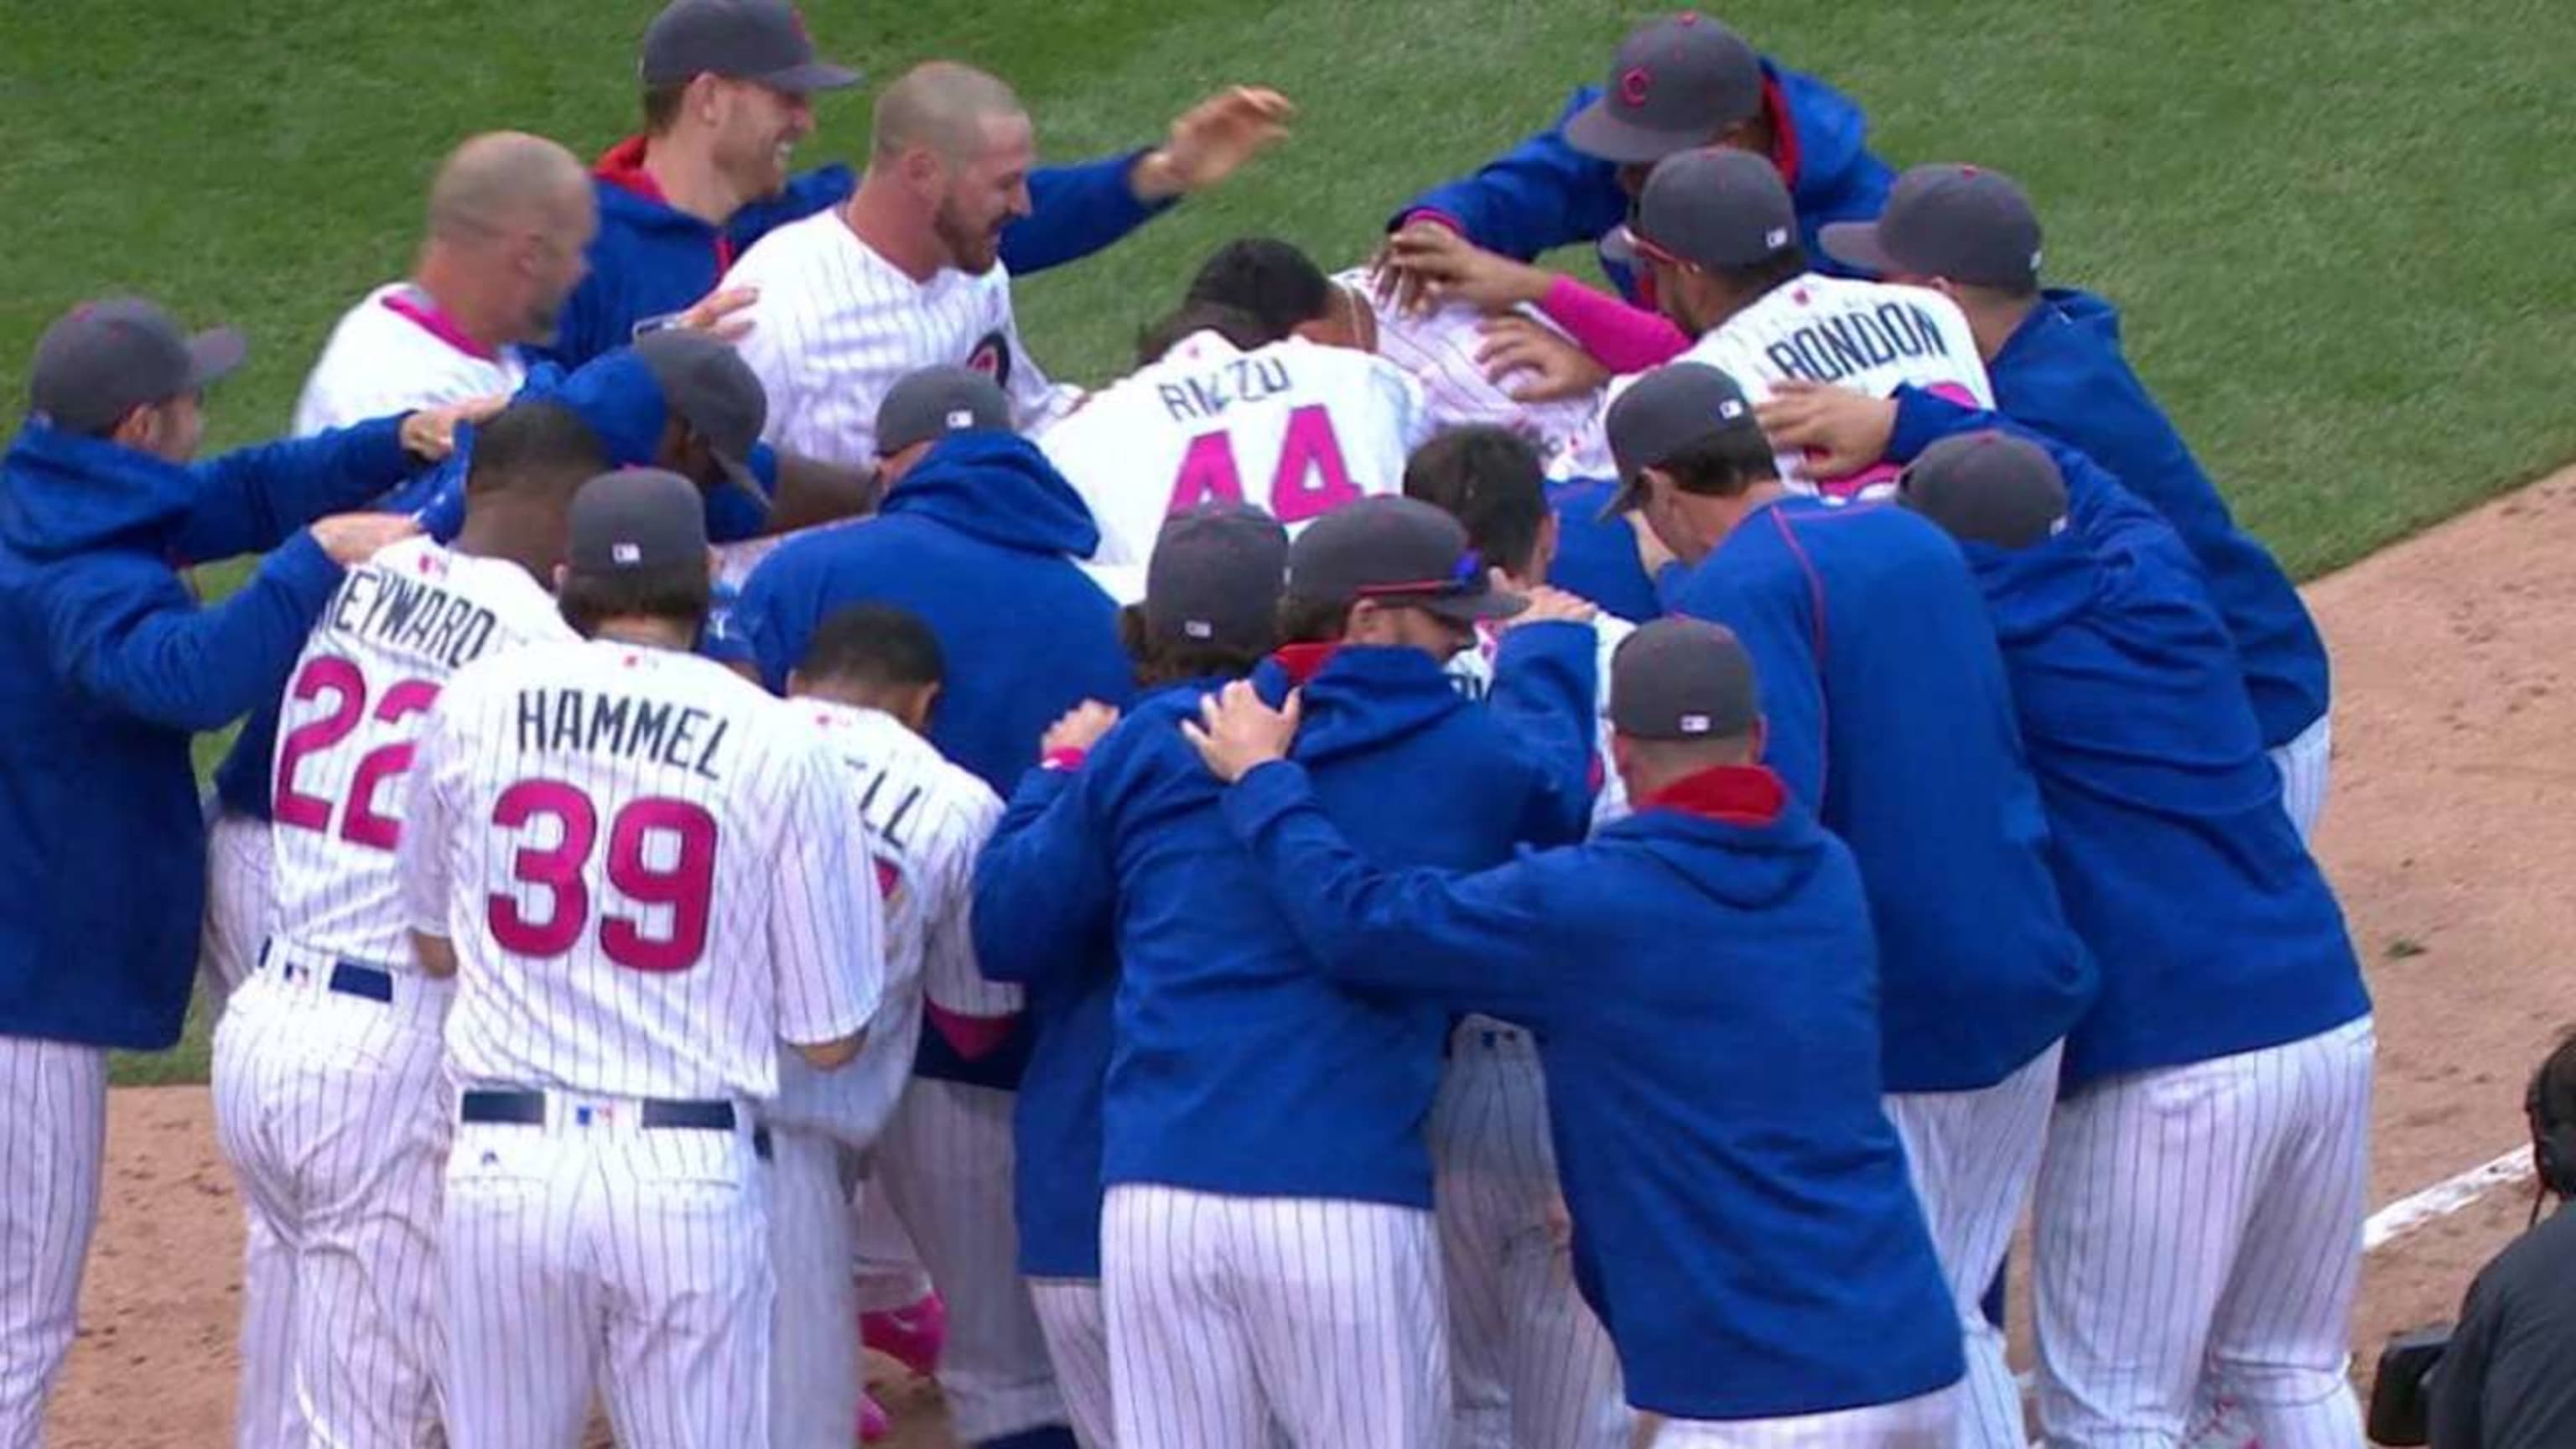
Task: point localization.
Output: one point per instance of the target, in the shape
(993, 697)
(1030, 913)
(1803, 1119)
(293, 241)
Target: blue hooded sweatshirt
(2062, 373)
(1238, 1067)
(2214, 929)
(979, 540)
(1703, 988)
(617, 395)
(111, 667)
(1889, 714)
(1544, 194)
(1596, 557)
(651, 260)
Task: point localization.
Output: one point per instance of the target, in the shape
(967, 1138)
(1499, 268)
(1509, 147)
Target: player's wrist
(1155, 177)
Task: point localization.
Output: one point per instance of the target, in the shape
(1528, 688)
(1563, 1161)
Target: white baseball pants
(610, 1257)
(2198, 1236)
(1973, 1156)
(944, 1165)
(1928, 1422)
(1530, 1365)
(2305, 764)
(815, 1381)
(1076, 1323)
(1229, 1313)
(333, 1110)
(53, 1140)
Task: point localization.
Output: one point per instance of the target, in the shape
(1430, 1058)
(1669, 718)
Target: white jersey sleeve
(1438, 348)
(837, 326)
(950, 979)
(392, 353)
(826, 929)
(385, 646)
(1472, 671)
(422, 861)
(1295, 428)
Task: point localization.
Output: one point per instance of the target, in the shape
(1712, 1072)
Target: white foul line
(2443, 1199)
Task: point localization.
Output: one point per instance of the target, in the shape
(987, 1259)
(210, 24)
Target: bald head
(943, 106)
(503, 182)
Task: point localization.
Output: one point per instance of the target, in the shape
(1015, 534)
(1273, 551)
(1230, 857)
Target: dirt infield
(2445, 833)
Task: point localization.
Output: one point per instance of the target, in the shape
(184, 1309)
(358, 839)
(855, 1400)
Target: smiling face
(756, 132)
(977, 193)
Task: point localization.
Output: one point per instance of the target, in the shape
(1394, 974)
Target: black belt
(528, 1109)
(352, 978)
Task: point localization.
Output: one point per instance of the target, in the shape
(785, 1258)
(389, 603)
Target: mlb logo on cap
(625, 553)
(1694, 724)
(960, 418)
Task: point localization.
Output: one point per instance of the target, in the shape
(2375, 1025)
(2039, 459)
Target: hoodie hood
(61, 493)
(1825, 140)
(629, 197)
(1361, 698)
(2031, 592)
(999, 488)
(1732, 833)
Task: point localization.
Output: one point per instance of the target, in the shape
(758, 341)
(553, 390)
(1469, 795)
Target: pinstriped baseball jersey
(393, 352)
(1472, 670)
(926, 819)
(837, 326)
(354, 709)
(1870, 337)
(644, 864)
(1296, 428)
(1438, 350)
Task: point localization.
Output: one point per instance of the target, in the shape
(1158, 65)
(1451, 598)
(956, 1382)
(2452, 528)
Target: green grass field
(2338, 226)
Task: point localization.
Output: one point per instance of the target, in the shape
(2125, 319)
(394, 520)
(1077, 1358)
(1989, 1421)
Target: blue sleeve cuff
(1921, 420)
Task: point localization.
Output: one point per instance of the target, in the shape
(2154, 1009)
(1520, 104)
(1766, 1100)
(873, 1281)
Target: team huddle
(1457, 859)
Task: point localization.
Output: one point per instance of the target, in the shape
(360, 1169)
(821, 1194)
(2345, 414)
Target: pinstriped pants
(1077, 1338)
(1227, 1313)
(1973, 1156)
(2305, 763)
(53, 1138)
(333, 1112)
(1928, 1422)
(1530, 1364)
(2199, 1236)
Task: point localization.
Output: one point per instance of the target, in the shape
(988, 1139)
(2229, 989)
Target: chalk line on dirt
(2443, 1199)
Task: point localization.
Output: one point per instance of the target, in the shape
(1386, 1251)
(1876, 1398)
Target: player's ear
(562, 572)
(925, 704)
(795, 683)
(1759, 737)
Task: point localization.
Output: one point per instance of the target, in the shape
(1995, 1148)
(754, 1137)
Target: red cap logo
(1633, 83)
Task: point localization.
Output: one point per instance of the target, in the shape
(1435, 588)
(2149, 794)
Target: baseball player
(640, 870)
(906, 275)
(2192, 889)
(1739, 1204)
(1529, 1363)
(1266, 417)
(1675, 85)
(1716, 230)
(2055, 360)
(728, 93)
(1209, 613)
(114, 669)
(328, 1096)
(869, 682)
(509, 218)
(1267, 1248)
(1889, 709)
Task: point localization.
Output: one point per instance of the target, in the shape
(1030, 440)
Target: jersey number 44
(1310, 480)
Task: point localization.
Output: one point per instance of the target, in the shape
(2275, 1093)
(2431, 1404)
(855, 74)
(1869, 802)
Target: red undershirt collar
(1304, 661)
(1731, 794)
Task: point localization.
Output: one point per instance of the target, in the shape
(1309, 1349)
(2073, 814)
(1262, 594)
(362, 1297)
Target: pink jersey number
(1312, 478)
(686, 885)
(360, 823)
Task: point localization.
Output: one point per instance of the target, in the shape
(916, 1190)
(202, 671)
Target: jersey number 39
(1311, 480)
(661, 853)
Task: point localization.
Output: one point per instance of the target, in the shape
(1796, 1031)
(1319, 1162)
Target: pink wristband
(1621, 338)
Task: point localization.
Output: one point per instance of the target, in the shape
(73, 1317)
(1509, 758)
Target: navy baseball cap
(637, 520)
(1990, 488)
(708, 386)
(1396, 551)
(764, 41)
(1673, 86)
(1713, 207)
(1215, 578)
(937, 401)
(1679, 678)
(102, 360)
(1961, 222)
(1665, 412)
